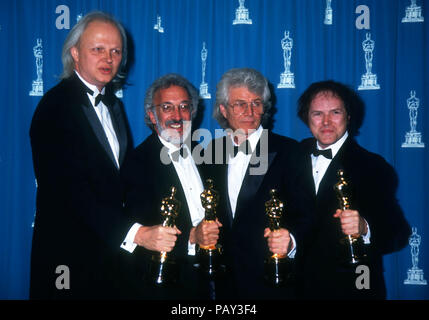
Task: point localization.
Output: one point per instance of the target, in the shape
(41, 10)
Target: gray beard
(171, 135)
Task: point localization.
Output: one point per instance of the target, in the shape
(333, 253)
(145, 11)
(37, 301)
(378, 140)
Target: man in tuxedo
(80, 138)
(247, 163)
(162, 161)
(334, 113)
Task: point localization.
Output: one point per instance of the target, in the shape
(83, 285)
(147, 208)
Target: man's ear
(152, 117)
(75, 54)
(222, 110)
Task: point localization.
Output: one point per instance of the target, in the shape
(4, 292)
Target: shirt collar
(92, 87)
(253, 138)
(170, 146)
(335, 147)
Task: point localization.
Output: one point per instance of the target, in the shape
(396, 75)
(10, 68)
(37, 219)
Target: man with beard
(162, 161)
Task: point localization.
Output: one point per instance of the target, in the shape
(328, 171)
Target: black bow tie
(327, 153)
(98, 98)
(182, 151)
(244, 147)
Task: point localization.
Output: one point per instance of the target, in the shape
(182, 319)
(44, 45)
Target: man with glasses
(164, 160)
(247, 163)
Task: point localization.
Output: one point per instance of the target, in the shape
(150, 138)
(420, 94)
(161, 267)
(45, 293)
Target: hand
(279, 241)
(351, 222)
(206, 233)
(157, 238)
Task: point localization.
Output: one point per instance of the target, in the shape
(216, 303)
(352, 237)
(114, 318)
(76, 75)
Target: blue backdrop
(327, 42)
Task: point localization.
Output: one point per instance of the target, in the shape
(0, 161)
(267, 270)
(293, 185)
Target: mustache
(167, 123)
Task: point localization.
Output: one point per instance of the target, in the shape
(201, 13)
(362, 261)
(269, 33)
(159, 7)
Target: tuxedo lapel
(226, 196)
(327, 183)
(98, 130)
(221, 176)
(306, 174)
(120, 128)
(251, 183)
(82, 100)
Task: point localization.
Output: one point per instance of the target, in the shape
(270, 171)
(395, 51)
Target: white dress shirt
(320, 164)
(237, 167)
(104, 117)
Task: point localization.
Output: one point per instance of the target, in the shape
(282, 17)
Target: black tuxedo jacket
(79, 221)
(245, 248)
(373, 186)
(146, 182)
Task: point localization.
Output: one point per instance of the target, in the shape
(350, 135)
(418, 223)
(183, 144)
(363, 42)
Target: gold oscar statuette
(277, 266)
(209, 256)
(352, 244)
(163, 268)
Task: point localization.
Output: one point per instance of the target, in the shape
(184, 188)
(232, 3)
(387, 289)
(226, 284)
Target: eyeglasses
(169, 107)
(240, 106)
